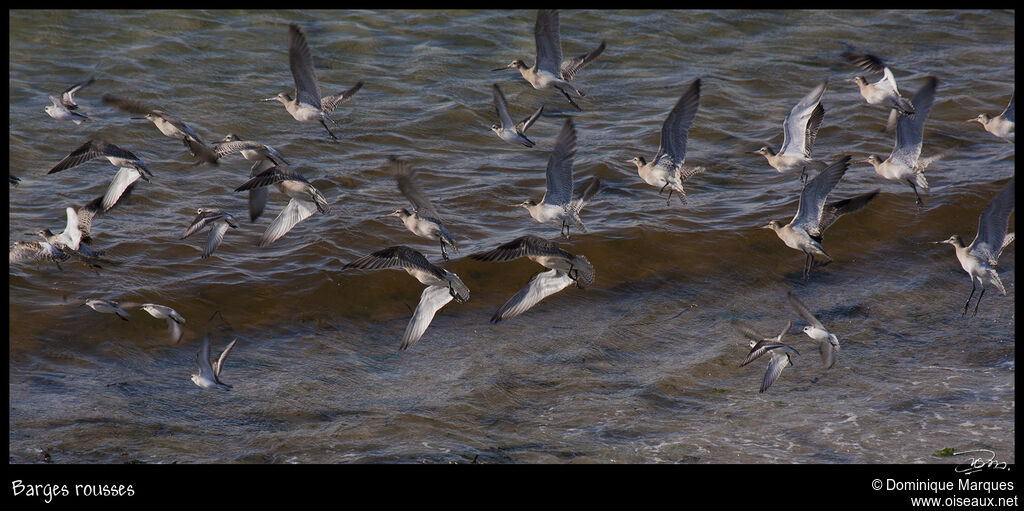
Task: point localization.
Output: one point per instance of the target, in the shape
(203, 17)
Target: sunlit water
(642, 366)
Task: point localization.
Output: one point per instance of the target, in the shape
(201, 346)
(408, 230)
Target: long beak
(270, 99)
(756, 152)
(973, 120)
(138, 118)
(501, 68)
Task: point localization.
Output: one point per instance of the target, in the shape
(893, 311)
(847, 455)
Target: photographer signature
(979, 463)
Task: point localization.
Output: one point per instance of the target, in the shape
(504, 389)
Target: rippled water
(640, 367)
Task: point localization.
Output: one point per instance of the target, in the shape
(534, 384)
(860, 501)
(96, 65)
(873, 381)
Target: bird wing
(296, 211)
(865, 61)
(431, 301)
(203, 360)
(89, 150)
(778, 362)
(910, 127)
(273, 175)
(72, 235)
(300, 59)
(330, 103)
(828, 354)
(549, 44)
(218, 366)
(396, 256)
(216, 237)
(801, 124)
(67, 98)
(524, 246)
(525, 124)
(801, 309)
(559, 171)
(813, 196)
(675, 130)
(405, 175)
(1008, 112)
(992, 225)
(175, 329)
(122, 180)
(544, 284)
(836, 209)
(570, 67)
(501, 105)
(126, 105)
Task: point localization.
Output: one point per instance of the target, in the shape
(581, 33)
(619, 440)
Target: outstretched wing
(540, 287)
(431, 301)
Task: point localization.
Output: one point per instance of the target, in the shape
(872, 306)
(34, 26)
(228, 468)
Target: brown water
(640, 367)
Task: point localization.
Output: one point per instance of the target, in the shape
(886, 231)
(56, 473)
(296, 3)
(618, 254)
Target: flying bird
(442, 285)
(804, 232)
(304, 200)
(979, 259)
(550, 70)
(564, 268)
(666, 169)
(424, 221)
(308, 106)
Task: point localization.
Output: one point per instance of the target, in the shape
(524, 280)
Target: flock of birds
(558, 206)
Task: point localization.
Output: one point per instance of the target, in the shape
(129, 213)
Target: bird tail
(994, 278)
(321, 201)
(577, 204)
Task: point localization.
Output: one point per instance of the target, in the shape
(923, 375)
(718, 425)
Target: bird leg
(669, 201)
(976, 304)
(803, 175)
(567, 96)
(443, 253)
(329, 132)
(565, 229)
(973, 287)
(918, 196)
(808, 262)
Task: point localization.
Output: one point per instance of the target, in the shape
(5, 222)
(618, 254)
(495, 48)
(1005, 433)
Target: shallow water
(642, 366)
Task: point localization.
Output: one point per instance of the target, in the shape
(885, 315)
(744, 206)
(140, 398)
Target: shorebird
(1000, 125)
(813, 216)
(250, 150)
(174, 320)
(208, 376)
(305, 199)
(550, 70)
(828, 343)
(37, 250)
(106, 307)
(557, 205)
(218, 221)
(262, 156)
(424, 221)
(798, 133)
(131, 167)
(65, 107)
(442, 285)
(508, 130)
(905, 163)
(666, 169)
(308, 106)
(778, 352)
(564, 269)
(884, 91)
(979, 259)
(167, 124)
